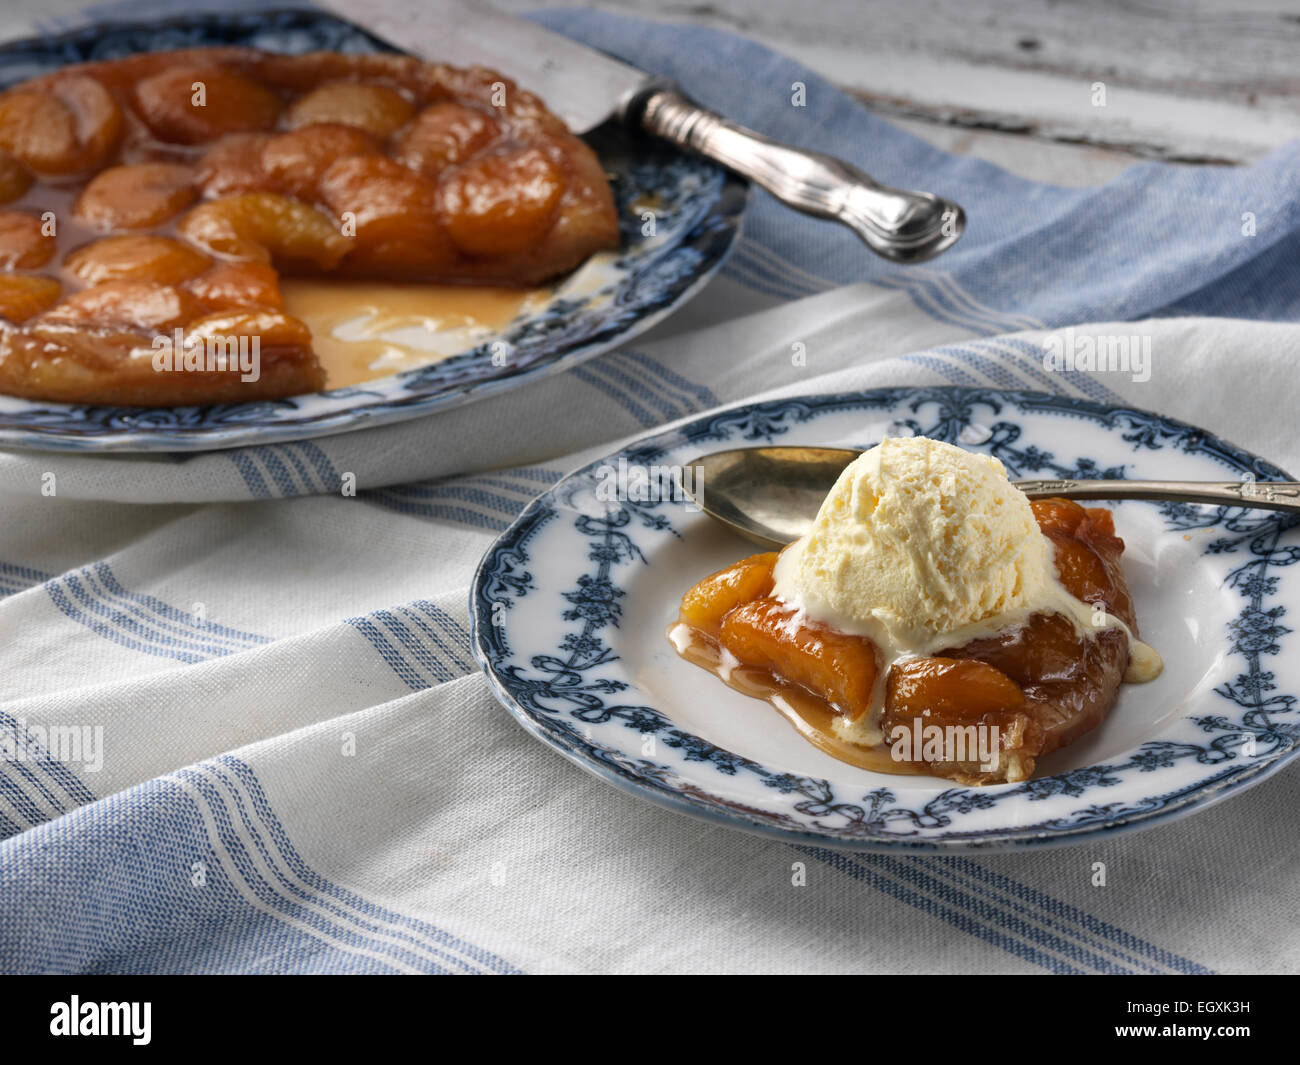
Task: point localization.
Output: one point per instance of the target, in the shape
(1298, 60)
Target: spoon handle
(1261, 495)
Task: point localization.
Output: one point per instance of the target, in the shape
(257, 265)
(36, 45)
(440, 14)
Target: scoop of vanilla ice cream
(918, 538)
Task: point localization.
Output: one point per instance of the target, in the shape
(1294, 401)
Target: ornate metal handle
(1261, 495)
(903, 226)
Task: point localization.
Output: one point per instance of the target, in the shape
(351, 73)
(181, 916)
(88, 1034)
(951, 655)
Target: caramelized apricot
(1047, 647)
(443, 134)
(391, 210)
(22, 296)
(24, 242)
(275, 331)
(1057, 515)
(705, 604)
(265, 227)
(950, 691)
(99, 120)
(1080, 569)
(834, 665)
(958, 696)
(229, 285)
(1101, 523)
(137, 196)
(56, 358)
(136, 257)
(234, 164)
(377, 109)
(265, 163)
(196, 104)
(500, 204)
(38, 130)
(69, 123)
(138, 305)
(14, 178)
(296, 161)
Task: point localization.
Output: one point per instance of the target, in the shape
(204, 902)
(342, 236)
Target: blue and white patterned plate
(697, 205)
(571, 604)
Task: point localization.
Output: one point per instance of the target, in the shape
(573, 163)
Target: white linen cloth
(303, 770)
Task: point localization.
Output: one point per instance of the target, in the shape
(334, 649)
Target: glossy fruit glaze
(1035, 686)
(174, 189)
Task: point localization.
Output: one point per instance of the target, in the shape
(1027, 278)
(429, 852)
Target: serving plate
(571, 604)
(697, 216)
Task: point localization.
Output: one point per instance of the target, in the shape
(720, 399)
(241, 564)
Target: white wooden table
(1012, 81)
(1209, 82)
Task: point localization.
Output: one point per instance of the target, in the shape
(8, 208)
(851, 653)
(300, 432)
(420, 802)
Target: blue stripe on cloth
(15, 579)
(1026, 359)
(962, 301)
(935, 293)
(463, 489)
(300, 470)
(631, 378)
(312, 465)
(588, 374)
(27, 778)
(93, 597)
(699, 396)
(170, 617)
(278, 471)
(450, 625)
(944, 368)
(195, 873)
(966, 922)
(1082, 380)
(325, 470)
(423, 658)
(750, 268)
(452, 642)
(409, 675)
(1026, 935)
(231, 848)
(996, 372)
(19, 800)
(1159, 958)
(300, 868)
(941, 298)
(414, 647)
(540, 474)
(477, 500)
(1025, 922)
(1027, 366)
(440, 511)
(71, 784)
(265, 873)
(252, 476)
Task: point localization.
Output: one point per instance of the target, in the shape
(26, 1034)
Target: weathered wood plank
(1199, 81)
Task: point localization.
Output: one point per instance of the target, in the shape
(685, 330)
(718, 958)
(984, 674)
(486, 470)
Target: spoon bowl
(770, 495)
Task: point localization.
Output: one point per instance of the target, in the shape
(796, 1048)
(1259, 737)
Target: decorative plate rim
(76, 427)
(615, 768)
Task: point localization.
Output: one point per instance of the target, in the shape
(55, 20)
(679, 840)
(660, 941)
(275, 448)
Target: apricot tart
(173, 190)
(1034, 687)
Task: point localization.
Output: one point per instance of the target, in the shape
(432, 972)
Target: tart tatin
(171, 190)
(1036, 686)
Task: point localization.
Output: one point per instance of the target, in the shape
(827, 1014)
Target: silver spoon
(771, 495)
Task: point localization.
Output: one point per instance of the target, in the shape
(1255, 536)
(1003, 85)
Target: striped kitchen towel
(253, 737)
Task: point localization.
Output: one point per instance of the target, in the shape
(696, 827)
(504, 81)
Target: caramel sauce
(812, 717)
(363, 330)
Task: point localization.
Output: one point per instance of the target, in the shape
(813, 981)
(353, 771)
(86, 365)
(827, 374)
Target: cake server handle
(900, 225)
